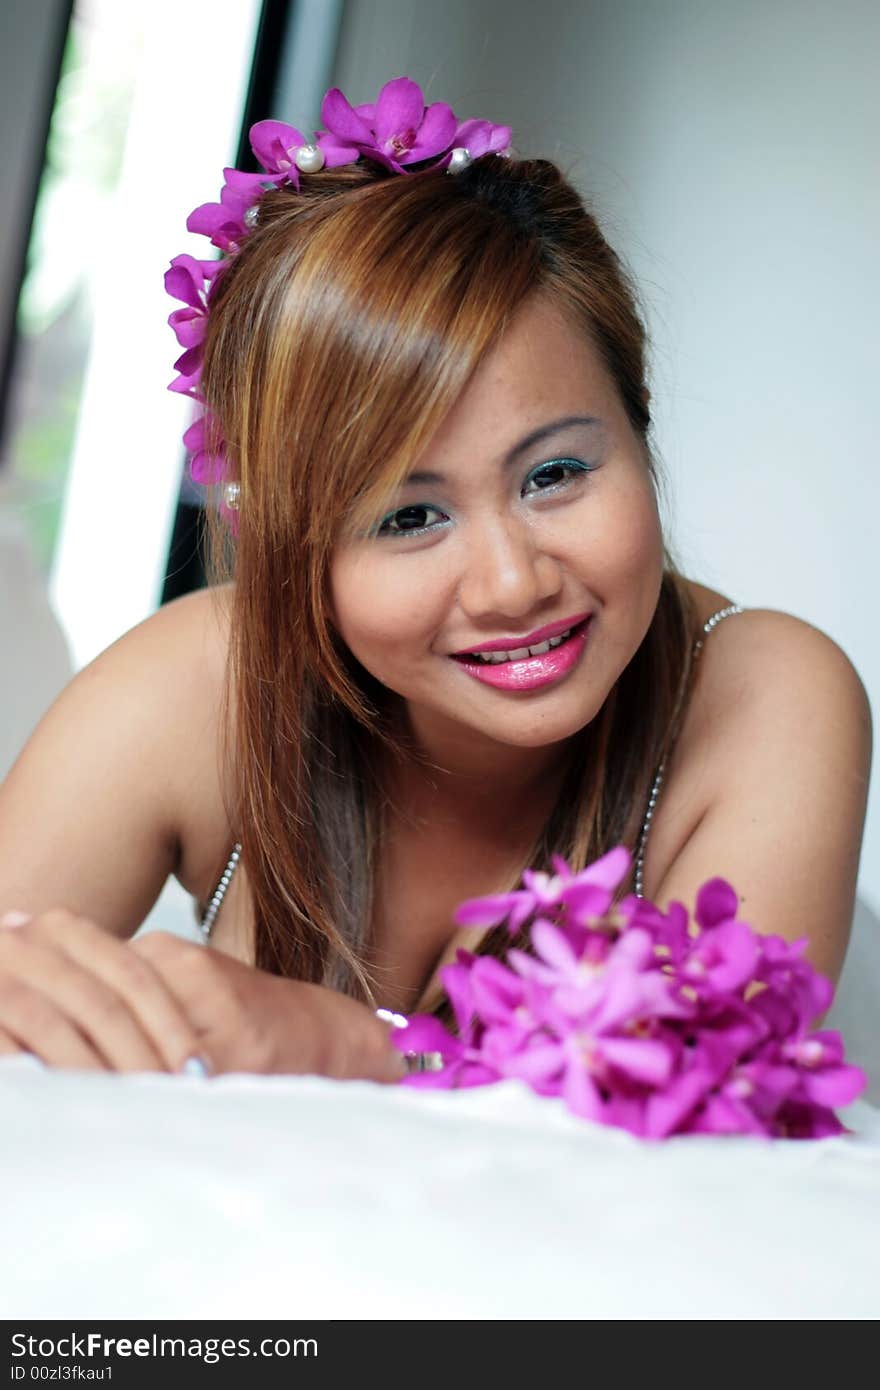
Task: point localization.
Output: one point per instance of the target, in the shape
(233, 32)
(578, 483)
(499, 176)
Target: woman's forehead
(543, 368)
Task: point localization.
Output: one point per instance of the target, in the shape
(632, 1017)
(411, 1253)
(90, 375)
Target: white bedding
(153, 1196)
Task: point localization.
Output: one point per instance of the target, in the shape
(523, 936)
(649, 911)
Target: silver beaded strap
(207, 922)
(708, 625)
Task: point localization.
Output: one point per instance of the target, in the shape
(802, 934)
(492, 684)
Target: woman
(426, 406)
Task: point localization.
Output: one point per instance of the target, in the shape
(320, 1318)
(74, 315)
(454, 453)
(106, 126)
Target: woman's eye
(415, 520)
(556, 474)
(407, 521)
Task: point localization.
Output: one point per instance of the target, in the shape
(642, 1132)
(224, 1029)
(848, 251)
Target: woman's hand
(78, 998)
(248, 1020)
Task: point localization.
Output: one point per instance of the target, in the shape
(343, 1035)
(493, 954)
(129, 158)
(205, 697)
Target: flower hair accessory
(398, 131)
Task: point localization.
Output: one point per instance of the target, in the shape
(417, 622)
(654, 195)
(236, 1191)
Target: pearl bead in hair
(309, 159)
(460, 159)
(232, 496)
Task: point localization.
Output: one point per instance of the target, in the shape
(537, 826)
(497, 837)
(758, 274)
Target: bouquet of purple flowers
(639, 1018)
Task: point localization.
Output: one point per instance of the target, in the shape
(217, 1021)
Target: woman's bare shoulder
(95, 808)
(197, 626)
(758, 649)
(746, 687)
(785, 736)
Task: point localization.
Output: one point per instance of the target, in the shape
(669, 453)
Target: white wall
(729, 150)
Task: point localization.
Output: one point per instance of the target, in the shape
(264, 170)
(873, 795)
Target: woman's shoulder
(197, 626)
(762, 653)
(196, 629)
(779, 749)
(123, 744)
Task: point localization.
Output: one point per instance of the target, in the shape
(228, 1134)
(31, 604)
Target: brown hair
(339, 337)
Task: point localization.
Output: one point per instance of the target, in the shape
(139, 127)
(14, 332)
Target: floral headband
(398, 131)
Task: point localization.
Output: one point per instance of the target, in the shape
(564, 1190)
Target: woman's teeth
(495, 658)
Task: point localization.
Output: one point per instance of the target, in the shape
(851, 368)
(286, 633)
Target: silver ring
(415, 1061)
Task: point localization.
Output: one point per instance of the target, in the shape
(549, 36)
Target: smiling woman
(447, 638)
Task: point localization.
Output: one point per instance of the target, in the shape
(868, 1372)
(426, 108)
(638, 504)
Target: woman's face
(493, 537)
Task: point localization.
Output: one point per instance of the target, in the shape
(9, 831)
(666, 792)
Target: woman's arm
(89, 831)
(90, 811)
(790, 745)
(90, 828)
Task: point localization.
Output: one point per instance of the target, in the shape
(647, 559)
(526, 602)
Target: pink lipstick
(530, 672)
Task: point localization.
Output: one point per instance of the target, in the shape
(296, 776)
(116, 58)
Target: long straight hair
(340, 335)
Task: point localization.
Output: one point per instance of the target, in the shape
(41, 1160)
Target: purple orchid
(399, 130)
(275, 146)
(190, 280)
(224, 222)
(205, 467)
(587, 894)
(639, 1019)
(482, 137)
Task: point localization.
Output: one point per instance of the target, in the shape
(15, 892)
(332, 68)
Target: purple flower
(795, 994)
(275, 146)
(716, 903)
(185, 280)
(590, 1064)
(224, 222)
(481, 137)
(399, 130)
(190, 280)
(587, 895)
(638, 1019)
(723, 958)
(205, 467)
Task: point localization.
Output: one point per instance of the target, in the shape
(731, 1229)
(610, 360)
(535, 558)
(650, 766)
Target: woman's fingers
(38, 1024)
(151, 1003)
(225, 1000)
(8, 1046)
(77, 997)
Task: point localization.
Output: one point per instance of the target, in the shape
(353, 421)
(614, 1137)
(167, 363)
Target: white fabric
(154, 1196)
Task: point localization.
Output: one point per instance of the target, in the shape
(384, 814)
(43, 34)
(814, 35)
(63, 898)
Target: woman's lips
(531, 672)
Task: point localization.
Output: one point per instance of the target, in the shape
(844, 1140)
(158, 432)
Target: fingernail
(15, 918)
(195, 1066)
(389, 1016)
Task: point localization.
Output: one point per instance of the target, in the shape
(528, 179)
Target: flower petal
(716, 902)
(273, 140)
(552, 946)
(834, 1086)
(185, 280)
(400, 107)
(343, 121)
(643, 1059)
(485, 912)
(539, 1062)
(425, 1033)
(581, 1094)
(436, 132)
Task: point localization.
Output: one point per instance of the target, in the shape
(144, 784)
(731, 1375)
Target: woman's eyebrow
(528, 442)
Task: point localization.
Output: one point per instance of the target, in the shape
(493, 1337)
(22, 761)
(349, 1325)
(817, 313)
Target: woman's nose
(507, 571)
